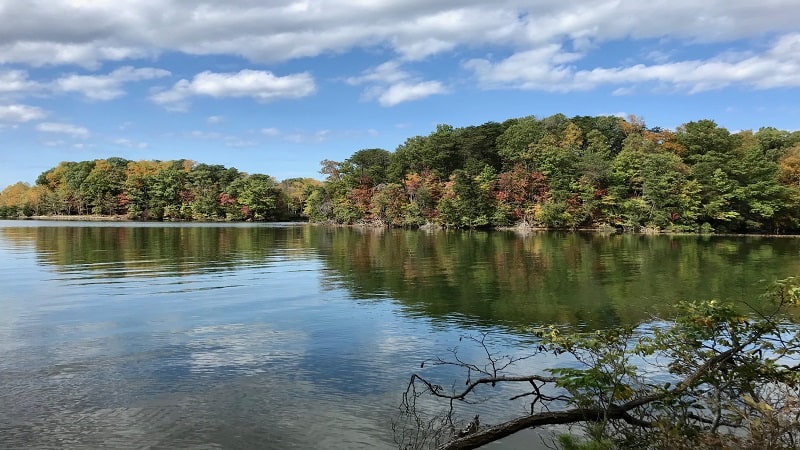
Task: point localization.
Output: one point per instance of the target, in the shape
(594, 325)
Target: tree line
(156, 190)
(555, 172)
(559, 172)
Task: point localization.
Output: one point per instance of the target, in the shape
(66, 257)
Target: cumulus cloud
(527, 45)
(405, 92)
(88, 33)
(546, 69)
(257, 84)
(390, 85)
(533, 69)
(89, 55)
(16, 82)
(63, 128)
(106, 87)
(20, 113)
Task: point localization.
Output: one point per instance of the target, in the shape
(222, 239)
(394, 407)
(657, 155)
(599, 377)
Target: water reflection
(207, 336)
(503, 278)
(121, 251)
(476, 278)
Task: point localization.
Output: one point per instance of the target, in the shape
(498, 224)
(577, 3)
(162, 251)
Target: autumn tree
(254, 197)
(14, 200)
(388, 204)
(467, 201)
(555, 172)
(297, 191)
(103, 185)
(518, 192)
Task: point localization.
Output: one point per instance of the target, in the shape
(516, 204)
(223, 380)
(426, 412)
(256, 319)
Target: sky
(276, 86)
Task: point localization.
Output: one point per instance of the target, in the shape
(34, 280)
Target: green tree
(371, 163)
(206, 183)
(671, 197)
(389, 203)
(257, 197)
(467, 200)
(477, 146)
(297, 191)
(318, 206)
(439, 152)
(103, 185)
(514, 145)
(166, 187)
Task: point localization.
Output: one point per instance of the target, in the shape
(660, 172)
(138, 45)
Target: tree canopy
(580, 172)
(155, 190)
(553, 172)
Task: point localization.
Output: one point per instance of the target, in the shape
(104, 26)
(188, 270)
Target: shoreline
(521, 229)
(82, 218)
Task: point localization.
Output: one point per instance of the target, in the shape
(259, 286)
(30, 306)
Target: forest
(555, 172)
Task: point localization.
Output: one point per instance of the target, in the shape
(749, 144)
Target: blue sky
(277, 86)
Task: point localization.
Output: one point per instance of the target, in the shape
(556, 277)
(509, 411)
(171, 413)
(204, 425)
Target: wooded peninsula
(555, 172)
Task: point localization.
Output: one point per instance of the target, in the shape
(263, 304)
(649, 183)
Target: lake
(128, 335)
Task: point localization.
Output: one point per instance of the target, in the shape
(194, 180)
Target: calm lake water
(294, 336)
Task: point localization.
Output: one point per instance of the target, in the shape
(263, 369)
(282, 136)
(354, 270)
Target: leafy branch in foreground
(710, 377)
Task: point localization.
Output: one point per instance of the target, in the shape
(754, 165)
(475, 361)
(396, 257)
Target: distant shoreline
(82, 218)
(517, 229)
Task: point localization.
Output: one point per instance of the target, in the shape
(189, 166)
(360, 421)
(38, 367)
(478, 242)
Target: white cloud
(213, 120)
(391, 85)
(106, 87)
(386, 73)
(20, 113)
(404, 92)
(298, 137)
(309, 138)
(63, 128)
(231, 141)
(14, 82)
(204, 135)
(555, 34)
(89, 33)
(318, 136)
(89, 55)
(239, 143)
(532, 69)
(544, 69)
(260, 85)
(129, 143)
